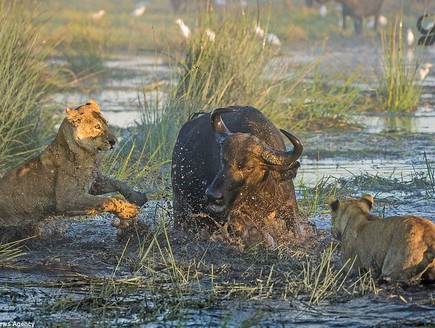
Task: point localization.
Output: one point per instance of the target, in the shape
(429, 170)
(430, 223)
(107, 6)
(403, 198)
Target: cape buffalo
(358, 9)
(232, 176)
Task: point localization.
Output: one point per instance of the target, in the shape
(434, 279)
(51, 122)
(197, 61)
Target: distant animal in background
(210, 34)
(428, 32)
(409, 37)
(382, 21)
(323, 11)
(185, 5)
(399, 248)
(424, 70)
(140, 10)
(268, 37)
(98, 15)
(309, 3)
(185, 30)
(358, 10)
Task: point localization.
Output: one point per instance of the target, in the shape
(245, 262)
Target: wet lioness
(401, 248)
(66, 177)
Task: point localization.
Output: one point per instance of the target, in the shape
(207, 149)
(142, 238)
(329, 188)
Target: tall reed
(23, 82)
(84, 50)
(233, 68)
(400, 88)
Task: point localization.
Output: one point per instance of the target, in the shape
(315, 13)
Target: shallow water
(396, 149)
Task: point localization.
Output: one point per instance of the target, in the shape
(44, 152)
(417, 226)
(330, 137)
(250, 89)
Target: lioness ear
(93, 104)
(334, 203)
(368, 199)
(73, 115)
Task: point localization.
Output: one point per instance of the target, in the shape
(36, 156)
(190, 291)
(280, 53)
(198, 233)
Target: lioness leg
(90, 204)
(104, 185)
(403, 262)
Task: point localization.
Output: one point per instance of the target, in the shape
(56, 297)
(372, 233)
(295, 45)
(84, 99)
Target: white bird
(270, 37)
(382, 21)
(323, 11)
(210, 34)
(259, 31)
(139, 11)
(97, 15)
(424, 70)
(273, 39)
(409, 37)
(185, 30)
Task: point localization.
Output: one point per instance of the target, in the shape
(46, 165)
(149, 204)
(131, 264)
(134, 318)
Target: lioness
(401, 248)
(66, 177)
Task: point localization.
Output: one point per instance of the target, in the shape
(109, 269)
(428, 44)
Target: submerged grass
(10, 251)
(324, 280)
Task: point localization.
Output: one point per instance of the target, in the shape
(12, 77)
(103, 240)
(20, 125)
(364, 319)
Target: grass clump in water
(10, 251)
(400, 88)
(84, 51)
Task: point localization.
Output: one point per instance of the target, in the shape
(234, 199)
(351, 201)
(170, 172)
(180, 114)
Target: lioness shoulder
(399, 247)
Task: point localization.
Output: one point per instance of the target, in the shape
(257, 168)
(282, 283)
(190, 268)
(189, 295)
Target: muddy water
(385, 158)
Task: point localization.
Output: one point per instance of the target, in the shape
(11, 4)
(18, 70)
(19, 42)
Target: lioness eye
(98, 127)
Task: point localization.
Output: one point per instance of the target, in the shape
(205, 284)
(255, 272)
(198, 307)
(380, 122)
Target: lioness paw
(124, 210)
(127, 211)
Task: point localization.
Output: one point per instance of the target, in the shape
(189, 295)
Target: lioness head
(342, 212)
(91, 130)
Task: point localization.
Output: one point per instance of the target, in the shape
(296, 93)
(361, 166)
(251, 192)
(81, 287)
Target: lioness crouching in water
(66, 178)
(401, 248)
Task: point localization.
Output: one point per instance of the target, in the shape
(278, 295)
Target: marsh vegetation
(324, 84)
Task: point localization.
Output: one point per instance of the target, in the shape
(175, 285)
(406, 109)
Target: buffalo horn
(420, 21)
(284, 158)
(218, 124)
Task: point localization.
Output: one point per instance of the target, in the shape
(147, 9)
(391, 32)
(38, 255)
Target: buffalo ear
(334, 203)
(368, 199)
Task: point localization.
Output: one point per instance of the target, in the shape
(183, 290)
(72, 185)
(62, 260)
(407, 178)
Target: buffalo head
(247, 164)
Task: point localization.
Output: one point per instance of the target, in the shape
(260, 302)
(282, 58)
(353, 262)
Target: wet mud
(80, 272)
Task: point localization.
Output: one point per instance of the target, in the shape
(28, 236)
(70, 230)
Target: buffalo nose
(214, 196)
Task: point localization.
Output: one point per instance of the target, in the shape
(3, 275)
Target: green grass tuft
(24, 82)
(400, 88)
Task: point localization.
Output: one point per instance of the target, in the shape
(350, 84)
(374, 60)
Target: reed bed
(400, 87)
(24, 80)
